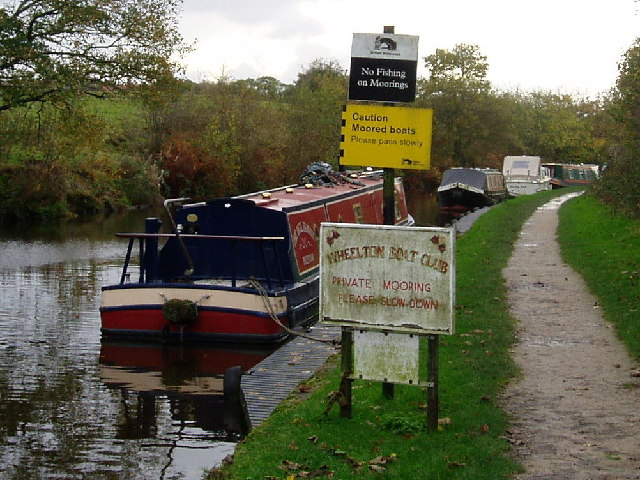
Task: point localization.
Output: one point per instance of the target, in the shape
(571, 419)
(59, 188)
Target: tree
(627, 92)
(620, 185)
(464, 67)
(51, 50)
(316, 102)
(469, 120)
(557, 128)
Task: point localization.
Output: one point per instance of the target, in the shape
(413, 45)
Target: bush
(619, 186)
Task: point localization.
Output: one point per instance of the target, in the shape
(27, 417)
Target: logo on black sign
(385, 43)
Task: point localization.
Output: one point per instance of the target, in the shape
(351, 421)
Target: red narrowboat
(242, 269)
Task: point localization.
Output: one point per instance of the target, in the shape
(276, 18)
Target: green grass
(116, 110)
(475, 365)
(605, 249)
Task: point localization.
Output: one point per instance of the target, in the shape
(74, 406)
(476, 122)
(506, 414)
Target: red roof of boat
(294, 195)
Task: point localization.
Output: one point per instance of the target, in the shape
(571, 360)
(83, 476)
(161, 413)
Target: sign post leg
(432, 390)
(347, 369)
(389, 217)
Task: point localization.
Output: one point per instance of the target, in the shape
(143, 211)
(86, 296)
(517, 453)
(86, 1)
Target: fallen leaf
(289, 465)
(383, 460)
(377, 468)
(485, 428)
(444, 421)
(313, 439)
(323, 472)
(456, 464)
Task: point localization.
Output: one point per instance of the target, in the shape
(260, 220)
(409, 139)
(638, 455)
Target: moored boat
(469, 188)
(525, 175)
(241, 269)
(570, 175)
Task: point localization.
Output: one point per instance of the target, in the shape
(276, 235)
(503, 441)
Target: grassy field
(605, 249)
(387, 438)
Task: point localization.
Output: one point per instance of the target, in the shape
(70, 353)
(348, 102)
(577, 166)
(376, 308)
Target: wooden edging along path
(272, 380)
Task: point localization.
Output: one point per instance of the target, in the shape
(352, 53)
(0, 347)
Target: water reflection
(426, 211)
(191, 379)
(172, 398)
(71, 408)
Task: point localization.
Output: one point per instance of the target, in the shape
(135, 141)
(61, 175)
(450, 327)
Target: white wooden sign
(386, 357)
(400, 279)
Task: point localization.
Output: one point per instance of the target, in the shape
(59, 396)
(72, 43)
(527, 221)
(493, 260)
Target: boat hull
(137, 311)
(524, 187)
(456, 197)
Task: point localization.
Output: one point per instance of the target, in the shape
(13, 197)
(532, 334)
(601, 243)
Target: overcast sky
(571, 46)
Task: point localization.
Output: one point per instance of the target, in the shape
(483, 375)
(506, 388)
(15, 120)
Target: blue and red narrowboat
(242, 269)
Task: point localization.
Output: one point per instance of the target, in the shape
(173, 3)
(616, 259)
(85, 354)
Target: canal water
(72, 407)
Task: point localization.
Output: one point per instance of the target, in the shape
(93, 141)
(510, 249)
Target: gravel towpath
(576, 408)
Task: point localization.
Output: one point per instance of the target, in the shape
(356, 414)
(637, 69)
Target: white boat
(525, 175)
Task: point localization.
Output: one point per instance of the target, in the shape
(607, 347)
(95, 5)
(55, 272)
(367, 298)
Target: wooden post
(389, 214)
(432, 390)
(347, 370)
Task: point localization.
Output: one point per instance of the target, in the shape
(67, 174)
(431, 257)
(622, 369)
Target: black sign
(382, 79)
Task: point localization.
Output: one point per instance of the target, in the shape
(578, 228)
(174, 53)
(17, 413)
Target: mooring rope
(269, 307)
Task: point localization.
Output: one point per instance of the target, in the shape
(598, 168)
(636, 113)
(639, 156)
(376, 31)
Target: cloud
(570, 45)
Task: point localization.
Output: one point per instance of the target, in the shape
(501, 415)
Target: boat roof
(474, 169)
(474, 177)
(291, 197)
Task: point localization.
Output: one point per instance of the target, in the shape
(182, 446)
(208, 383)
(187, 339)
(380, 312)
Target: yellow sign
(386, 136)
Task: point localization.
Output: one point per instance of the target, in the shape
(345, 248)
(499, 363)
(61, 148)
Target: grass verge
(386, 438)
(605, 249)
